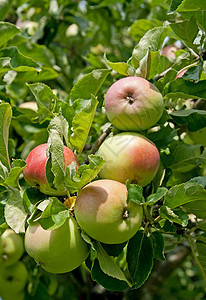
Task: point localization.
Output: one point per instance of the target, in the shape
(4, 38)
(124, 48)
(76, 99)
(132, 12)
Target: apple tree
(102, 149)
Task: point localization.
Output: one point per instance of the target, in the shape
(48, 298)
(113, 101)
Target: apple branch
(98, 143)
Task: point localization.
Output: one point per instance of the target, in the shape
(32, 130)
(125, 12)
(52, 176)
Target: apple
(13, 279)
(102, 211)
(168, 51)
(35, 174)
(129, 156)
(199, 136)
(13, 248)
(29, 105)
(13, 296)
(133, 104)
(59, 250)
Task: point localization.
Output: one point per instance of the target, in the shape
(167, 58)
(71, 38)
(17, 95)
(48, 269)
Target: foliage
(64, 55)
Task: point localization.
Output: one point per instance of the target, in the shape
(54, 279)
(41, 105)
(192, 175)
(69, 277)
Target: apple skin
(57, 251)
(133, 104)
(129, 156)
(35, 174)
(13, 279)
(29, 105)
(102, 211)
(13, 248)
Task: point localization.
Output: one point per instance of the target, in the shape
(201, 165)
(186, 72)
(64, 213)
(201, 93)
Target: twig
(98, 142)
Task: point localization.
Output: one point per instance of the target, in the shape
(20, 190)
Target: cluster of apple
(132, 104)
(13, 272)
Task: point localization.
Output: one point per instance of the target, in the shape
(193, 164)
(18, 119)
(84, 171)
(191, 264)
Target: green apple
(57, 251)
(13, 279)
(133, 104)
(129, 156)
(102, 211)
(13, 247)
(13, 296)
(35, 174)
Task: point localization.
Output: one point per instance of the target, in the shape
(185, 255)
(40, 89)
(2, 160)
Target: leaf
(15, 213)
(121, 67)
(17, 167)
(7, 30)
(32, 197)
(185, 193)
(141, 26)
(139, 258)
(135, 193)
(180, 88)
(45, 99)
(82, 122)
(54, 215)
(154, 198)
(76, 179)
(5, 120)
(194, 73)
(186, 31)
(3, 173)
(108, 264)
(201, 180)
(108, 282)
(194, 119)
(157, 245)
(178, 216)
(89, 85)
(174, 5)
(12, 59)
(153, 40)
(45, 73)
(152, 64)
(58, 128)
(201, 248)
(163, 137)
(190, 5)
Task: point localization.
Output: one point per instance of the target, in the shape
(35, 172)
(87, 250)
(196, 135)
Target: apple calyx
(130, 99)
(125, 214)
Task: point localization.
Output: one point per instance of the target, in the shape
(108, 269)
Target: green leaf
(185, 193)
(153, 40)
(54, 215)
(180, 88)
(5, 120)
(58, 129)
(45, 99)
(139, 258)
(152, 64)
(157, 245)
(186, 31)
(201, 180)
(17, 167)
(183, 157)
(7, 30)
(108, 282)
(15, 213)
(3, 173)
(140, 27)
(174, 5)
(190, 5)
(82, 122)
(108, 264)
(194, 119)
(178, 216)
(76, 179)
(163, 137)
(135, 193)
(12, 59)
(154, 198)
(121, 67)
(194, 73)
(89, 85)
(45, 73)
(32, 197)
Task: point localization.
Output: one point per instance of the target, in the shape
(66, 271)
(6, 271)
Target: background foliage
(64, 55)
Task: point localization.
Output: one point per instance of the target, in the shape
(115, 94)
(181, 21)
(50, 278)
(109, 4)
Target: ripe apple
(35, 174)
(168, 51)
(29, 105)
(129, 156)
(102, 211)
(133, 104)
(13, 279)
(13, 248)
(199, 136)
(57, 251)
